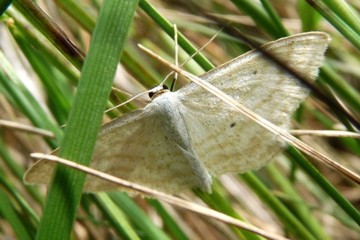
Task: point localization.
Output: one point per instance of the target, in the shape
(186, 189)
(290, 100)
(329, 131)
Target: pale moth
(182, 139)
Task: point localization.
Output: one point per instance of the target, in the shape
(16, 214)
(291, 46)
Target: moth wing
(226, 140)
(134, 148)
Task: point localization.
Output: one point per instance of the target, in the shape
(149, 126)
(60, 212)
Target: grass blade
(85, 117)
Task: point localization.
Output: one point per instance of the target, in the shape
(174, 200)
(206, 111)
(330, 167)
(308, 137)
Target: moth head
(157, 91)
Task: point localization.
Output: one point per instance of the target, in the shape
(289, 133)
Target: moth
(183, 139)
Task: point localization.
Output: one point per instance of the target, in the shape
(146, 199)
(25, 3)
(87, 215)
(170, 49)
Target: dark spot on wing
(255, 72)
(232, 125)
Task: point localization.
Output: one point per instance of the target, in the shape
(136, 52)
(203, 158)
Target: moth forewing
(260, 85)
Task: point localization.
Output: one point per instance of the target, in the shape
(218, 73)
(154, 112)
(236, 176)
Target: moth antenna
(176, 62)
(202, 48)
(176, 58)
(129, 100)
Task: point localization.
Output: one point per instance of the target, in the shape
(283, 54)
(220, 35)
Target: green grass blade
(12, 192)
(79, 12)
(296, 203)
(40, 43)
(169, 29)
(221, 204)
(45, 72)
(137, 216)
(85, 117)
(346, 12)
(347, 92)
(325, 185)
(170, 223)
(338, 22)
(8, 212)
(117, 216)
(24, 100)
(259, 16)
(50, 30)
(131, 59)
(16, 170)
(275, 18)
(4, 4)
(310, 18)
(291, 223)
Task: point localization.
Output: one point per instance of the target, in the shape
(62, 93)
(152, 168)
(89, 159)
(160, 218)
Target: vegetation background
(39, 75)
